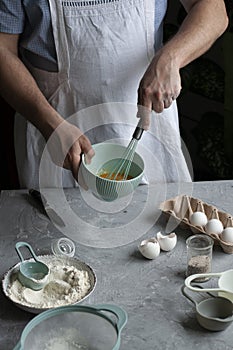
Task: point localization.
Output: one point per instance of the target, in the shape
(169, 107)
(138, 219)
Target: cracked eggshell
(149, 248)
(227, 235)
(214, 226)
(198, 219)
(167, 242)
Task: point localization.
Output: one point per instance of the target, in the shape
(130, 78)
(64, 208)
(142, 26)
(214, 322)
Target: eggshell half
(149, 248)
(167, 242)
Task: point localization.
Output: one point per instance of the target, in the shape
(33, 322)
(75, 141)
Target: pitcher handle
(189, 279)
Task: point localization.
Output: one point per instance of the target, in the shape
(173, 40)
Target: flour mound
(67, 284)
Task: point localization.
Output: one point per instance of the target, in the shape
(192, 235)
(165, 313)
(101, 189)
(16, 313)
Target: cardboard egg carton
(181, 207)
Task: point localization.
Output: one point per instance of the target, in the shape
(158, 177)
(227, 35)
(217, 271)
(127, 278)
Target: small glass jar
(199, 255)
(63, 247)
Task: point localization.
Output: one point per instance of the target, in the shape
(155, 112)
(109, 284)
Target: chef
(60, 57)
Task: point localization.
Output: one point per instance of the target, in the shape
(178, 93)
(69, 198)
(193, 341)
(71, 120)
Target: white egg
(167, 242)
(214, 226)
(198, 219)
(149, 248)
(227, 234)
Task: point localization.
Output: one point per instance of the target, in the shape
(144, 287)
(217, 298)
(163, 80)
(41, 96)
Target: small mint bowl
(103, 188)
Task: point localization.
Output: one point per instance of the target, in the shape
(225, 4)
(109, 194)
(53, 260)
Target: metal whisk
(122, 166)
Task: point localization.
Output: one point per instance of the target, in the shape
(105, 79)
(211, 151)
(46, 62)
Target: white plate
(80, 265)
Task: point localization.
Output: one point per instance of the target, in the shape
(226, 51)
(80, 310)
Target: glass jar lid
(63, 246)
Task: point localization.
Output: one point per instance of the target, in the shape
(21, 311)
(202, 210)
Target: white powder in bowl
(66, 339)
(67, 284)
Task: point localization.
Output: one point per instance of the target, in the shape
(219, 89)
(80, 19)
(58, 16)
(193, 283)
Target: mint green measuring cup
(31, 274)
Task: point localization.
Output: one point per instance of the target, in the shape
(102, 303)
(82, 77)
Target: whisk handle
(138, 133)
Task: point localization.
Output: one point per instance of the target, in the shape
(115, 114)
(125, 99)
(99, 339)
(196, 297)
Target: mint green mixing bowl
(103, 188)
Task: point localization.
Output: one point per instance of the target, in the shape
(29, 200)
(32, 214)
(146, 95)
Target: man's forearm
(206, 20)
(20, 90)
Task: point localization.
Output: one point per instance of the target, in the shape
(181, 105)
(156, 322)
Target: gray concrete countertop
(159, 317)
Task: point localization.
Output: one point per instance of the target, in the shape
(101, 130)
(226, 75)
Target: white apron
(103, 49)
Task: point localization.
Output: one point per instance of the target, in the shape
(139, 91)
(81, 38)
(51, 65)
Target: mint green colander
(75, 327)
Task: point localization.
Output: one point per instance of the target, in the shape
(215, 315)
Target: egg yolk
(118, 177)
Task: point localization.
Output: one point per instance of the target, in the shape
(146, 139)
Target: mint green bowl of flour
(96, 327)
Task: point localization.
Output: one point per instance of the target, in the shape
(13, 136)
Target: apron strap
(59, 33)
(150, 8)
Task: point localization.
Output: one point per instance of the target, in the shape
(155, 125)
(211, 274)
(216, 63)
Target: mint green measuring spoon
(32, 274)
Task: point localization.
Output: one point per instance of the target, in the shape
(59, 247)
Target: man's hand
(66, 145)
(161, 83)
(66, 142)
